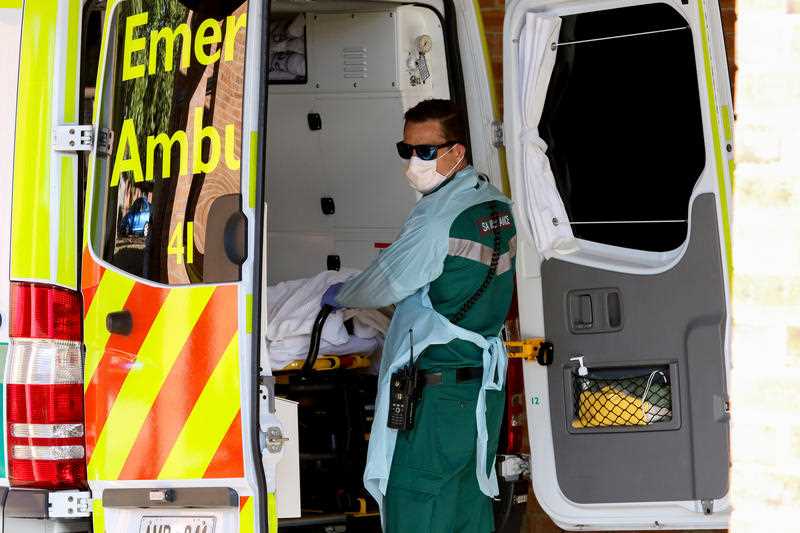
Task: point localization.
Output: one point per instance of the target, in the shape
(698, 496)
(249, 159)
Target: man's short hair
(450, 116)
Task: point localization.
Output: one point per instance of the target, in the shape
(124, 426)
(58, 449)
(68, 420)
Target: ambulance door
(617, 121)
(10, 33)
(171, 252)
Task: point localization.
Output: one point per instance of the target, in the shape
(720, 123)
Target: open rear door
(619, 142)
(171, 254)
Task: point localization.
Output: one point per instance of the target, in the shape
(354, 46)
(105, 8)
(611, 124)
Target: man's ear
(461, 151)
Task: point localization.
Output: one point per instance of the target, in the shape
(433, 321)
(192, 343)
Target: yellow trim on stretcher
(362, 510)
(331, 362)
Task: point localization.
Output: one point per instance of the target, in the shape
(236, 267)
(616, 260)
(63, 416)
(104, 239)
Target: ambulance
(163, 162)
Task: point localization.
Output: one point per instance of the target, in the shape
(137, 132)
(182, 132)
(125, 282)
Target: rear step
(324, 520)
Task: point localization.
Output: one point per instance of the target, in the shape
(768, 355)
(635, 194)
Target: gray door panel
(674, 321)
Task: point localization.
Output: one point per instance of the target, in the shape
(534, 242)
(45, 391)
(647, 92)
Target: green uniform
(432, 485)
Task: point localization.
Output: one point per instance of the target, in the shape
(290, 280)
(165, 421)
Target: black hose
(316, 337)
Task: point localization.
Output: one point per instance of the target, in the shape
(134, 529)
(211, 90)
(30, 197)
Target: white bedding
(292, 307)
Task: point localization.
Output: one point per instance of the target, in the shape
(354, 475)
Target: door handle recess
(594, 310)
(119, 322)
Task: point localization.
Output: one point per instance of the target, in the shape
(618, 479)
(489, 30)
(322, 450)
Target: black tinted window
(173, 99)
(622, 121)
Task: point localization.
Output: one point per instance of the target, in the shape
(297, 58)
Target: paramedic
(432, 484)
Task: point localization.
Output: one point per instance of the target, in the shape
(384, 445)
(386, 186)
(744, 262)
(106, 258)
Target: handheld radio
(404, 392)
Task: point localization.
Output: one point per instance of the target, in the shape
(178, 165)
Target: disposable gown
(402, 274)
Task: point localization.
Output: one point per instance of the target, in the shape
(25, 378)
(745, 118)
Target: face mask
(422, 175)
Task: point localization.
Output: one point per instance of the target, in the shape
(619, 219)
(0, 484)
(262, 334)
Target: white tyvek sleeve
(415, 259)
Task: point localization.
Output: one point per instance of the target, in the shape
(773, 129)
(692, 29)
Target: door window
(623, 125)
(167, 204)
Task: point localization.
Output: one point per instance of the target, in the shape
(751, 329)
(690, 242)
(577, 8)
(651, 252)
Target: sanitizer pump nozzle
(582, 370)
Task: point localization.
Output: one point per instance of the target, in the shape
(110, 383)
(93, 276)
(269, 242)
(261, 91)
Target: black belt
(462, 374)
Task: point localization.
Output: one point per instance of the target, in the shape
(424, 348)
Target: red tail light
(44, 388)
(515, 408)
(515, 388)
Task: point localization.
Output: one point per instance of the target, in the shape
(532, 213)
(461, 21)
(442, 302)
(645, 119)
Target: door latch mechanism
(275, 439)
(270, 438)
(539, 350)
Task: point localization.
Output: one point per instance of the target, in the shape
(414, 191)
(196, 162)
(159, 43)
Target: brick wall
(493, 12)
(765, 480)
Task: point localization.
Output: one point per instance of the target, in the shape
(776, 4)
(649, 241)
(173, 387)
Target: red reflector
(45, 404)
(45, 312)
(47, 474)
(382, 245)
(515, 408)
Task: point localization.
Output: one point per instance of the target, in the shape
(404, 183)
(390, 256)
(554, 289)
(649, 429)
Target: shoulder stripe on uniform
(481, 253)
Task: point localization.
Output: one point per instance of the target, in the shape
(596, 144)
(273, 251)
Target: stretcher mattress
(292, 307)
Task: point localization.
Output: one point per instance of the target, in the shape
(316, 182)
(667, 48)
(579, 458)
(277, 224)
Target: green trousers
(432, 484)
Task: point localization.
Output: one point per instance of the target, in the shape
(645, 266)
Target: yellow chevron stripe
(87, 200)
(727, 122)
(172, 326)
(98, 516)
(251, 200)
(712, 104)
(248, 306)
(71, 74)
(111, 295)
(209, 420)
(30, 223)
(247, 518)
(272, 510)
(67, 274)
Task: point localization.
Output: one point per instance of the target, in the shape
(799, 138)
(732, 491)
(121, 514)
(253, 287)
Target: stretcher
(536, 349)
(336, 408)
(314, 362)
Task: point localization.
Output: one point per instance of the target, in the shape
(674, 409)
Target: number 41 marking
(176, 244)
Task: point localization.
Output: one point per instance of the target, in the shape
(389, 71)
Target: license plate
(177, 524)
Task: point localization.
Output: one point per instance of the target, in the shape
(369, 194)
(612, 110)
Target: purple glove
(329, 298)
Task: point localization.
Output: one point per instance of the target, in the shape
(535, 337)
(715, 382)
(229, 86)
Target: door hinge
(498, 138)
(69, 504)
(105, 141)
(81, 137)
(73, 138)
(707, 506)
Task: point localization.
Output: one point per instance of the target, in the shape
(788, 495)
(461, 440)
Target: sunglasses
(426, 152)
